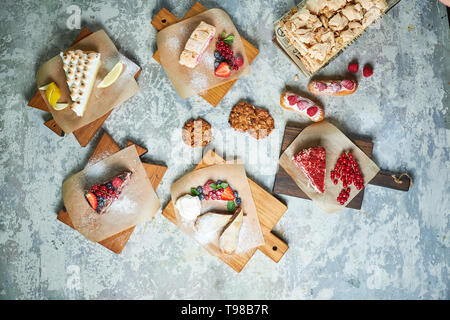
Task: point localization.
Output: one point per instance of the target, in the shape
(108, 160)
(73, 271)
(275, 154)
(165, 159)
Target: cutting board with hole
(269, 209)
(285, 185)
(165, 18)
(106, 147)
(84, 134)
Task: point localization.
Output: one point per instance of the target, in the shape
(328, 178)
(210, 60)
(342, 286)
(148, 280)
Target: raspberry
(312, 111)
(367, 71)
(353, 67)
(117, 182)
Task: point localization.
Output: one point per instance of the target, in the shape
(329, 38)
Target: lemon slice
(60, 106)
(112, 76)
(52, 93)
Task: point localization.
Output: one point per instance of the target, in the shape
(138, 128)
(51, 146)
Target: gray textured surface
(397, 246)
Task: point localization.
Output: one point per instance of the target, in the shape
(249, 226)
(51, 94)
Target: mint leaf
(229, 39)
(194, 192)
(231, 206)
(223, 35)
(213, 186)
(223, 185)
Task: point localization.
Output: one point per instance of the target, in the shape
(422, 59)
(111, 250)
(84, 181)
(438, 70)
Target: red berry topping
(321, 86)
(303, 104)
(312, 111)
(227, 194)
(239, 61)
(348, 84)
(367, 71)
(293, 99)
(92, 199)
(223, 70)
(103, 188)
(353, 67)
(117, 182)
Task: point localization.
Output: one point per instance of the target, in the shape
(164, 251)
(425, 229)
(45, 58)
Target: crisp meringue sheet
(101, 101)
(234, 174)
(137, 203)
(171, 42)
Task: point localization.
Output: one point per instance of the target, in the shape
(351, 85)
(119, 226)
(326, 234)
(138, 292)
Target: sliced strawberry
(227, 194)
(92, 199)
(321, 86)
(117, 182)
(348, 84)
(223, 70)
(312, 111)
(293, 99)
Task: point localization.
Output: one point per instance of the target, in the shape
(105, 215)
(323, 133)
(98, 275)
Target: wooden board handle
(397, 181)
(274, 247)
(163, 18)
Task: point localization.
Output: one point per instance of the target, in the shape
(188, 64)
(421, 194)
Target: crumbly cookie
(196, 133)
(257, 122)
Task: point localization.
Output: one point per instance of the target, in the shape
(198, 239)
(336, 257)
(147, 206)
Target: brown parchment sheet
(137, 203)
(101, 101)
(295, 55)
(335, 142)
(234, 174)
(172, 40)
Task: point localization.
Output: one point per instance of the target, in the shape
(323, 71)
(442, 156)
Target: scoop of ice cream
(188, 206)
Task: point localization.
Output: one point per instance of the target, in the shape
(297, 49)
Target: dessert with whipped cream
(81, 70)
(188, 207)
(303, 106)
(323, 27)
(197, 44)
(332, 87)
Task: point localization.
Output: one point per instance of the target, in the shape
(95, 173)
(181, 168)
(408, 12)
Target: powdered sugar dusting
(173, 43)
(123, 205)
(198, 81)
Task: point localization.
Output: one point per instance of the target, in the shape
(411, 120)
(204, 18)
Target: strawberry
(353, 67)
(367, 71)
(117, 182)
(223, 70)
(227, 194)
(92, 199)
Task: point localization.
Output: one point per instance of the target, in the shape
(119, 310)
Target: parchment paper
(172, 40)
(101, 101)
(234, 174)
(335, 142)
(293, 53)
(137, 203)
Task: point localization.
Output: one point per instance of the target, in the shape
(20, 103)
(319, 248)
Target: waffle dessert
(81, 69)
(197, 44)
(312, 162)
(102, 196)
(324, 27)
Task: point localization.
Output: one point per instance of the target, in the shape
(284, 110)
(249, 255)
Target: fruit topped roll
(197, 44)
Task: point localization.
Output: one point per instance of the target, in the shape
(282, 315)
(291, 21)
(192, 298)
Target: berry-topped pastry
(197, 44)
(332, 87)
(218, 190)
(312, 162)
(304, 106)
(101, 196)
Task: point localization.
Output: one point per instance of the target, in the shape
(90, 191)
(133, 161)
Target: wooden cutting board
(285, 185)
(165, 18)
(84, 134)
(107, 146)
(269, 209)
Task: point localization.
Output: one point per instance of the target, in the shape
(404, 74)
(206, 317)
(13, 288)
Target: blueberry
(199, 189)
(235, 194)
(201, 196)
(109, 186)
(238, 201)
(216, 64)
(217, 55)
(219, 182)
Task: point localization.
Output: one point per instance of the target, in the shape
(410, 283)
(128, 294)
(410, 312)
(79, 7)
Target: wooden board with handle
(84, 134)
(165, 18)
(107, 146)
(285, 185)
(269, 209)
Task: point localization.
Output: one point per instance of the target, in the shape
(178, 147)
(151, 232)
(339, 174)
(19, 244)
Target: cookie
(257, 122)
(196, 133)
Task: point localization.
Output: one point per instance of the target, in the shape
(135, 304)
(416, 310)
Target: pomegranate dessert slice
(312, 162)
